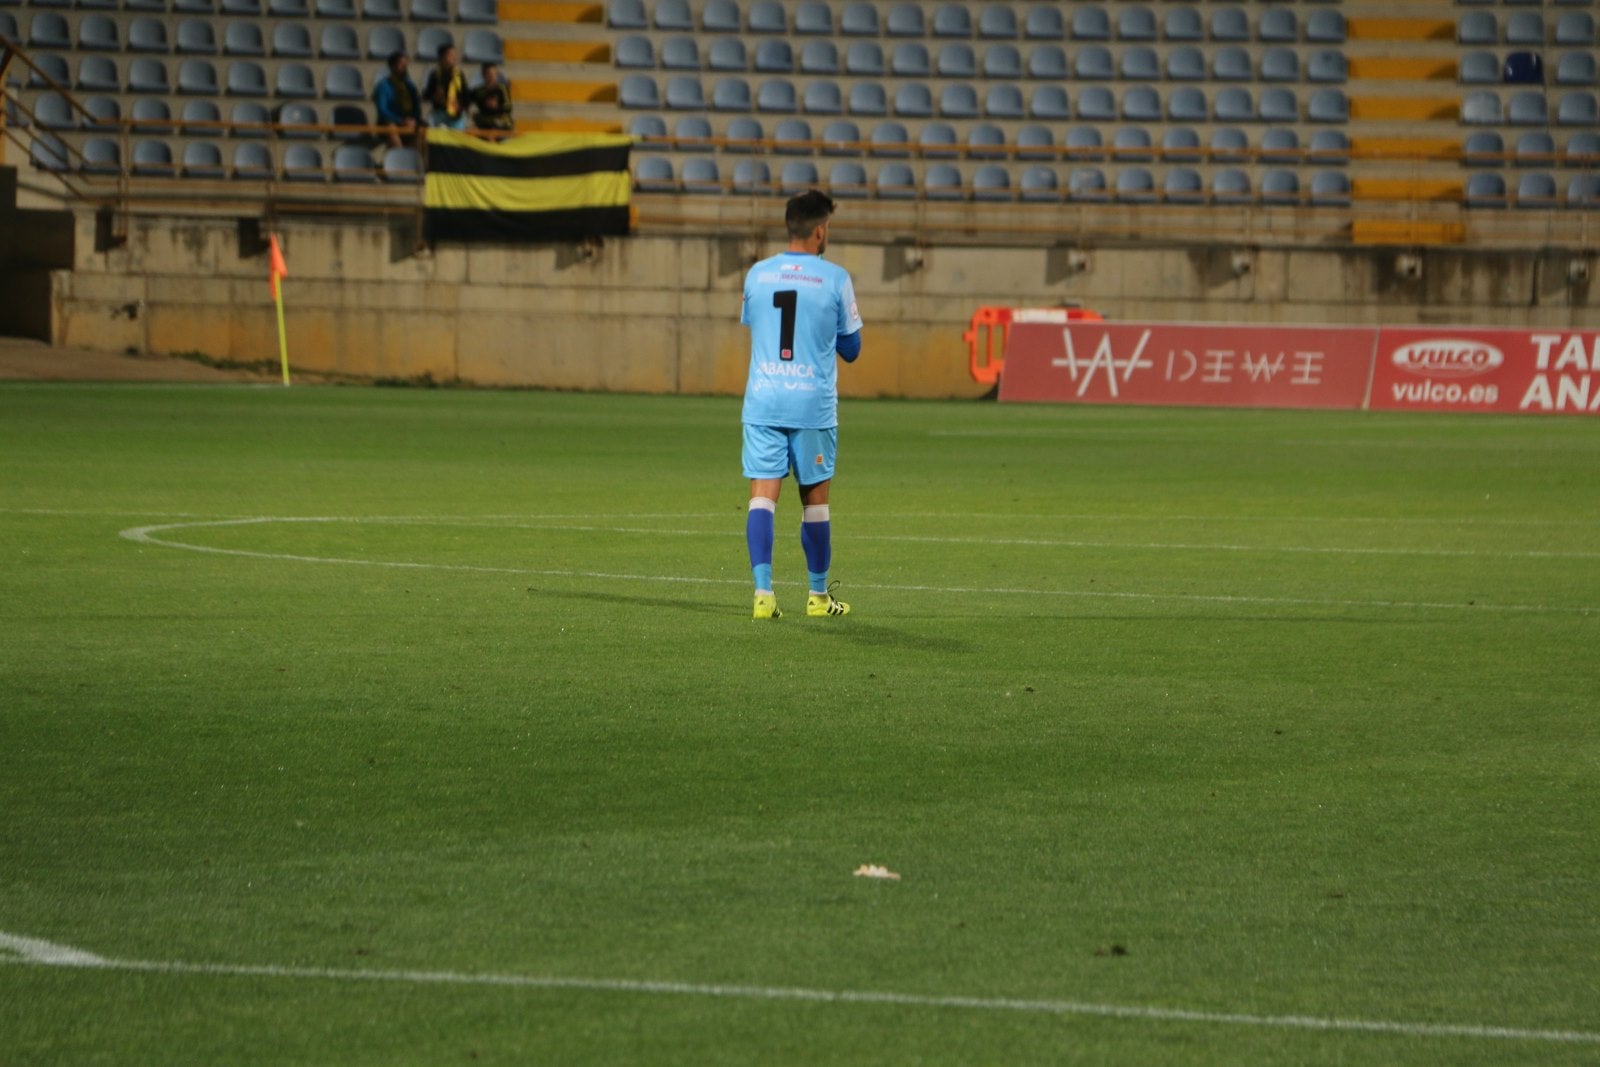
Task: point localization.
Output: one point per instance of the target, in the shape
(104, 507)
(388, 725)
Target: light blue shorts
(770, 452)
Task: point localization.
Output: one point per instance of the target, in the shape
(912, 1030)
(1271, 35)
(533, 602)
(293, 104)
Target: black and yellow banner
(536, 187)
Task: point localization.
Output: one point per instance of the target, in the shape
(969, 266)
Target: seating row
(474, 11)
(199, 115)
(290, 40)
(1047, 22)
(1139, 103)
(1573, 28)
(958, 60)
(1533, 148)
(1533, 190)
(987, 141)
(1485, 68)
(1483, 107)
(203, 159)
(199, 77)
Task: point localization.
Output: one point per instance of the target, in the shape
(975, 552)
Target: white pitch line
(146, 535)
(64, 957)
(33, 950)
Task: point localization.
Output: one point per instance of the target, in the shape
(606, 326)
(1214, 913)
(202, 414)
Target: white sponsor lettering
(1573, 354)
(1478, 393)
(1054, 316)
(778, 369)
(1447, 358)
(1262, 368)
(1570, 393)
(1104, 360)
(1308, 368)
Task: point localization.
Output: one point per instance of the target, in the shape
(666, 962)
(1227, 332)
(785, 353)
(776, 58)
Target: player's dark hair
(806, 212)
(394, 60)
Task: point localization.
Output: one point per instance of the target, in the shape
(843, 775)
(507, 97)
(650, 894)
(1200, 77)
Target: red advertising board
(1449, 369)
(1207, 364)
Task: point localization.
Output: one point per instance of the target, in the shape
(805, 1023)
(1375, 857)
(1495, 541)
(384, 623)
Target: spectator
(491, 101)
(397, 100)
(446, 90)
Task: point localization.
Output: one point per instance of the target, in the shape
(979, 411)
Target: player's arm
(848, 345)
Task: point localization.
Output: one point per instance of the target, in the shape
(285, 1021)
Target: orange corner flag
(278, 268)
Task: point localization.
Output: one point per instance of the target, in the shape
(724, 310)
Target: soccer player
(800, 309)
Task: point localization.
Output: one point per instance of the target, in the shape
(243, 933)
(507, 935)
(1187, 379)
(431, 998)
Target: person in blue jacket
(397, 100)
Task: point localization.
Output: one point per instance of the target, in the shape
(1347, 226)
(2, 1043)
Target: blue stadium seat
(151, 115)
(1582, 150)
(1140, 63)
(101, 155)
(377, 10)
(1230, 187)
(1132, 143)
(1040, 185)
(776, 95)
(1535, 148)
(1229, 145)
(291, 39)
(792, 137)
(252, 162)
(720, 16)
(727, 54)
(1183, 186)
(819, 57)
(1187, 104)
(1329, 146)
(49, 152)
(1327, 65)
(295, 81)
(766, 16)
(1084, 143)
(910, 60)
(1283, 65)
(638, 90)
(823, 98)
(202, 159)
(429, 40)
(751, 176)
(1280, 144)
(298, 114)
(1277, 25)
(868, 98)
(959, 101)
(1090, 23)
(864, 59)
(482, 46)
(146, 34)
(1325, 26)
(742, 132)
(49, 30)
(937, 140)
(1477, 27)
(848, 180)
(896, 182)
(1002, 61)
(152, 159)
(1280, 187)
(952, 20)
(247, 114)
(1575, 68)
(1003, 101)
(905, 20)
(1141, 103)
(299, 9)
(1481, 108)
(1035, 142)
(338, 41)
(1330, 188)
(1047, 62)
(1044, 23)
(1527, 109)
(1483, 149)
(1278, 105)
(1096, 104)
(654, 173)
(1088, 184)
(146, 75)
(685, 93)
(197, 77)
(1523, 68)
(244, 39)
(1180, 143)
(1536, 190)
(841, 138)
(1185, 64)
(991, 182)
(1136, 23)
(636, 53)
(1135, 185)
(1525, 27)
(1328, 105)
(627, 15)
(97, 33)
(774, 57)
(1486, 189)
(913, 100)
(690, 131)
(1182, 23)
(941, 181)
(349, 118)
(813, 19)
(485, 12)
(1231, 65)
(105, 111)
(671, 15)
(956, 60)
(1230, 24)
(986, 141)
(1575, 29)
(700, 175)
(890, 139)
(997, 22)
(96, 74)
(52, 112)
(1577, 109)
(859, 20)
(343, 82)
(1478, 68)
(1234, 104)
(1094, 63)
(1049, 102)
(1584, 191)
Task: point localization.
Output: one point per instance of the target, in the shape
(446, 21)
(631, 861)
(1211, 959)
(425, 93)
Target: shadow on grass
(731, 609)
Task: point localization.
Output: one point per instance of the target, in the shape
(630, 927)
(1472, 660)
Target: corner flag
(277, 268)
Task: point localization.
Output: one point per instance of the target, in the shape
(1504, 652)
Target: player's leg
(813, 464)
(765, 463)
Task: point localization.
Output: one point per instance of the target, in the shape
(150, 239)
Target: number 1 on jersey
(786, 300)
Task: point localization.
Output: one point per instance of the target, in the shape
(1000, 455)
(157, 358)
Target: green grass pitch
(1196, 736)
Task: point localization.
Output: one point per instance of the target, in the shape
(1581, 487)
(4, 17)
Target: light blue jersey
(796, 305)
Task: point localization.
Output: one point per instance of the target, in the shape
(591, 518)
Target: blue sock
(815, 538)
(758, 533)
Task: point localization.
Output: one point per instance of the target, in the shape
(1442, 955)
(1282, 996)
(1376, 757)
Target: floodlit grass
(1268, 714)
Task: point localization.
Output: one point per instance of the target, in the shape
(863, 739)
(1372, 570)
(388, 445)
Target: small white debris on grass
(873, 870)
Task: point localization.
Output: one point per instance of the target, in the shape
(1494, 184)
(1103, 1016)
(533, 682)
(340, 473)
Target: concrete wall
(660, 313)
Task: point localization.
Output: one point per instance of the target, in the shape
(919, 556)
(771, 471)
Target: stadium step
(559, 51)
(1406, 189)
(1405, 108)
(564, 92)
(567, 126)
(1440, 149)
(524, 11)
(1401, 29)
(1400, 68)
(1406, 232)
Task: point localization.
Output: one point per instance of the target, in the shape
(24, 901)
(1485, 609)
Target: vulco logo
(1447, 358)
